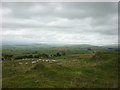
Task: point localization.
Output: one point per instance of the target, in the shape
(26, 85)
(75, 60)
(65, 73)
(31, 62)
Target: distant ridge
(47, 45)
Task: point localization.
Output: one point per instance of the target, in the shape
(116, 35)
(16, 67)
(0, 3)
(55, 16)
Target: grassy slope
(70, 71)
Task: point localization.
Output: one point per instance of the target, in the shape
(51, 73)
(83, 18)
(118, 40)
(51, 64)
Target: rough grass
(70, 71)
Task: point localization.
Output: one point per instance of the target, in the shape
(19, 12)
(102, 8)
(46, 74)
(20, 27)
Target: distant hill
(40, 46)
(81, 46)
(111, 46)
(43, 46)
(25, 46)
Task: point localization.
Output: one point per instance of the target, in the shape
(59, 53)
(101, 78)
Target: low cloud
(62, 23)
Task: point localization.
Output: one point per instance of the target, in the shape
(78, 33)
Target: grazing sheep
(47, 60)
(33, 61)
(26, 63)
(53, 60)
(37, 60)
(20, 63)
(43, 60)
(23, 59)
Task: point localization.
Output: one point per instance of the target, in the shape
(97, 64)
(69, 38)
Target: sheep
(20, 63)
(37, 60)
(33, 61)
(53, 60)
(23, 59)
(47, 60)
(26, 63)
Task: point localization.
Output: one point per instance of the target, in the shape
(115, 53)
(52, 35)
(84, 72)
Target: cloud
(68, 22)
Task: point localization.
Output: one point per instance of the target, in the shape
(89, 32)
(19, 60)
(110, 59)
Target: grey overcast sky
(60, 23)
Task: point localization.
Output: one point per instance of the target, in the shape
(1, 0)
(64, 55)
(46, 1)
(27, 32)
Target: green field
(38, 66)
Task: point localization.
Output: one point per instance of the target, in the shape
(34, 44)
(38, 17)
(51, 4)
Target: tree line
(10, 57)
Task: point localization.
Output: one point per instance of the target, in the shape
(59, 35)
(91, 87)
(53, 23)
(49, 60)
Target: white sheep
(47, 60)
(53, 60)
(26, 63)
(33, 61)
(50, 62)
(20, 63)
(37, 60)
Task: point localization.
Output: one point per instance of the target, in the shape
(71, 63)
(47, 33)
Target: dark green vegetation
(74, 67)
